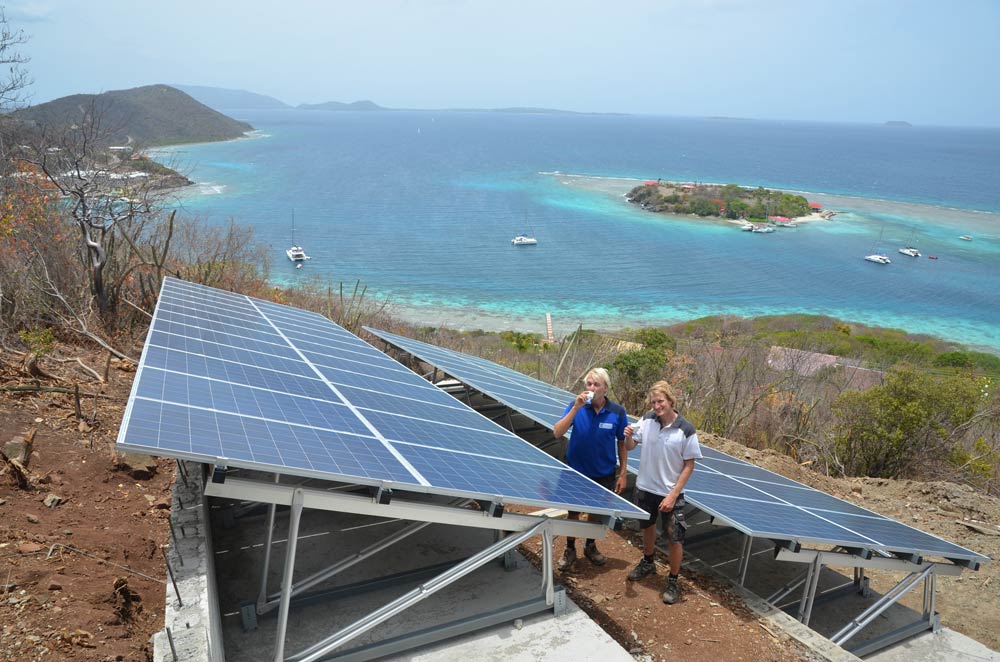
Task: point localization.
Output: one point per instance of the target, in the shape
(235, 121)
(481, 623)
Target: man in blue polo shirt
(597, 443)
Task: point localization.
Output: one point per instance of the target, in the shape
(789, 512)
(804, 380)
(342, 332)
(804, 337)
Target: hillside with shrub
(143, 116)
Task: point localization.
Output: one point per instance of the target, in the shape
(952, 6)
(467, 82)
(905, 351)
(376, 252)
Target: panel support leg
(298, 497)
(548, 581)
(262, 593)
(809, 590)
(745, 558)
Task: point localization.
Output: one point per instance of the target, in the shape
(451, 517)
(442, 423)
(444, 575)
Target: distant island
(897, 123)
(219, 98)
(725, 201)
(228, 99)
(337, 105)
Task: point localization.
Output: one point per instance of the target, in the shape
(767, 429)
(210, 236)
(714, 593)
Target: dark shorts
(607, 482)
(674, 524)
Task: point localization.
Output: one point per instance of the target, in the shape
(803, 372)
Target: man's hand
(668, 503)
(621, 482)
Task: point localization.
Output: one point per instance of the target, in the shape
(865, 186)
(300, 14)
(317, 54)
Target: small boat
(527, 238)
(295, 253)
(877, 256)
(746, 226)
(932, 257)
(910, 250)
(763, 229)
(966, 237)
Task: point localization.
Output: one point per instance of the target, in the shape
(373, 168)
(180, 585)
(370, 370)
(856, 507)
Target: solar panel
(754, 500)
(241, 382)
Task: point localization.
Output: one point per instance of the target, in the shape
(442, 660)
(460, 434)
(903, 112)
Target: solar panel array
(756, 501)
(241, 382)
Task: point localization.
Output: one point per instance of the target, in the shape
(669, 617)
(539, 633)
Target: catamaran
(877, 256)
(296, 253)
(527, 238)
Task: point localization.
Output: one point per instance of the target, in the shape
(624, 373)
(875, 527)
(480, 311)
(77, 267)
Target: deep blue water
(421, 206)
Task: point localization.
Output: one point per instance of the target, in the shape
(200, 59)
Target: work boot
(568, 561)
(591, 552)
(642, 569)
(671, 591)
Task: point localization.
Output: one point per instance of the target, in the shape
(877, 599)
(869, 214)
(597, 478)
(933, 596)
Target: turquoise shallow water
(421, 207)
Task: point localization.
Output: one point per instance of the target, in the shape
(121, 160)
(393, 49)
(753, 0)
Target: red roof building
(815, 205)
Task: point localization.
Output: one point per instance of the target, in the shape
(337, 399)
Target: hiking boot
(671, 591)
(568, 561)
(642, 569)
(595, 556)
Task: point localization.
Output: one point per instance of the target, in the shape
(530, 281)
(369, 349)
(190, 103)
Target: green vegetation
(909, 421)
(875, 347)
(729, 201)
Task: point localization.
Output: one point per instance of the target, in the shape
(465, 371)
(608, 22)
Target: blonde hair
(663, 388)
(601, 374)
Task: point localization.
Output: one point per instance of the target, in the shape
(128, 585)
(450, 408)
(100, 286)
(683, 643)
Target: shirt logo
(606, 426)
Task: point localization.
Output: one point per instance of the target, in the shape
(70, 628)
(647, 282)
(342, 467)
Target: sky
(928, 63)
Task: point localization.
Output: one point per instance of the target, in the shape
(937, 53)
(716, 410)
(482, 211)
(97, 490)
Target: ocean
(421, 207)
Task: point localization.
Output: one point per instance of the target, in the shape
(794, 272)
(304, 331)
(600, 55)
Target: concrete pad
(572, 636)
(928, 647)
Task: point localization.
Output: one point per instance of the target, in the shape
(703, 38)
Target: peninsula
(725, 201)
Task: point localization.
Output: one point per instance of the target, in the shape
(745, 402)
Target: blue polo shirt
(593, 441)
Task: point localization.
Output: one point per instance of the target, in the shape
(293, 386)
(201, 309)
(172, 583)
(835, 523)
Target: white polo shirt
(662, 452)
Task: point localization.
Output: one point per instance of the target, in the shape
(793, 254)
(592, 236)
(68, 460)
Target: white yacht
(910, 250)
(523, 240)
(762, 229)
(877, 256)
(295, 253)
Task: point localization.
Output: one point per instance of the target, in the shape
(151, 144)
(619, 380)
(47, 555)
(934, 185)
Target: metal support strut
(298, 497)
(321, 649)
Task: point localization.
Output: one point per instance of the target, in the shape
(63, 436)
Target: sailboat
(525, 239)
(877, 256)
(910, 249)
(295, 253)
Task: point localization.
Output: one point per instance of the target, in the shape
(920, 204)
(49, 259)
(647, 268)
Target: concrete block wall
(193, 621)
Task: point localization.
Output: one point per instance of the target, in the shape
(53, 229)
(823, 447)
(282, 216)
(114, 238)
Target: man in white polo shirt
(669, 448)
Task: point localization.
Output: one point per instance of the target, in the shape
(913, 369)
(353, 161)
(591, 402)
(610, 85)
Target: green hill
(150, 115)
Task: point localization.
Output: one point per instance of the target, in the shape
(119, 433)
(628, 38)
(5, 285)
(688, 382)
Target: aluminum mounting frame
(510, 530)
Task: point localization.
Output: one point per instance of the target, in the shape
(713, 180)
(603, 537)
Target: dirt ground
(709, 622)
(85, 579)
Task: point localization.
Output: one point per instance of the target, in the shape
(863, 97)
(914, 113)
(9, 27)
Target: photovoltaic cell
(241, 382)
(756, 501)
